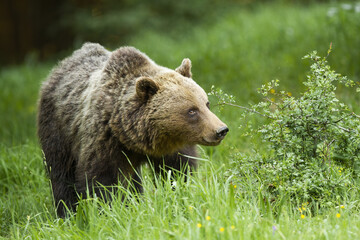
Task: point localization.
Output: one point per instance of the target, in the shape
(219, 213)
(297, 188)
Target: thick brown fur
(103, 114)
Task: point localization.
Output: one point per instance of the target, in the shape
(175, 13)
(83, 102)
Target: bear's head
(165, 111)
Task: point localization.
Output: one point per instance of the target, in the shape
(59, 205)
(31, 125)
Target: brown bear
(103, 114)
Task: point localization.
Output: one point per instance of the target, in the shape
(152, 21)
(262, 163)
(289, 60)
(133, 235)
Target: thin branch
(351, 114)
(339, 120)
(247, 109)
(328, 145)
(355, 115)
(344, 129)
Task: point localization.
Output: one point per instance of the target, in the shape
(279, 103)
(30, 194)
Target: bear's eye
(208, 105)
(192, 112)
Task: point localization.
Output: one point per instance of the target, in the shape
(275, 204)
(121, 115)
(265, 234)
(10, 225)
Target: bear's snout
(214, 130)
(221, 132)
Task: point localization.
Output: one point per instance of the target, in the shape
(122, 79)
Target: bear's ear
(185, 68)
(146, 88)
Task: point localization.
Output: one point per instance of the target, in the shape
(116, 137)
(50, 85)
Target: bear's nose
(221, 132)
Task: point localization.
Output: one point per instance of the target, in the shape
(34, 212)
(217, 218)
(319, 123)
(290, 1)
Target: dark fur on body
(102, 115)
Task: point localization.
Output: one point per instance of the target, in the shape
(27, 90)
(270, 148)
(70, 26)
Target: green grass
(238, 53)
(19, 87)
(164, 213)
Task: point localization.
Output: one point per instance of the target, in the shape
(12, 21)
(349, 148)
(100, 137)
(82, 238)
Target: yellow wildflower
(199, 225)
(272, 91)
(302, 216)
(222, 229)
(208, 218)
(342, 206)
(338, 215)
(232, 227)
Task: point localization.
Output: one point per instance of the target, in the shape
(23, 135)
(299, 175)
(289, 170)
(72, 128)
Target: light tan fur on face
(151, 114)
(180, 94)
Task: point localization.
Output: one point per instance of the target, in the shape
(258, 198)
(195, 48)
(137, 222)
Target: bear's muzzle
(221, 132)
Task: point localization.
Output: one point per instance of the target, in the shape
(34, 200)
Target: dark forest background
(43, 29)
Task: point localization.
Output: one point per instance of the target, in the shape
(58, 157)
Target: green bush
(312, 142)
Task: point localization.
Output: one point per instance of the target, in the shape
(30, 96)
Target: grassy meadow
(240, 51)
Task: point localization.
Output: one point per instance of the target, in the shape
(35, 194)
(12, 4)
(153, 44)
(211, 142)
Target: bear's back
(61, 92)
(79, 66)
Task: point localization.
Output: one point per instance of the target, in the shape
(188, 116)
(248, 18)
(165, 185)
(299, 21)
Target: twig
(355, 115)
(247, 109)
(346, 117)
(328, 145)
(344, 129)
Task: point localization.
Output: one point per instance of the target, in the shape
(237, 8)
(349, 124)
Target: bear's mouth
(210, 143)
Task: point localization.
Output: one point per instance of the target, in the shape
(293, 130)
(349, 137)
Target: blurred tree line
(43, 28)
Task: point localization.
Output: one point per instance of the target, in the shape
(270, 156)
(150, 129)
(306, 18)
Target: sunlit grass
(206, 207)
